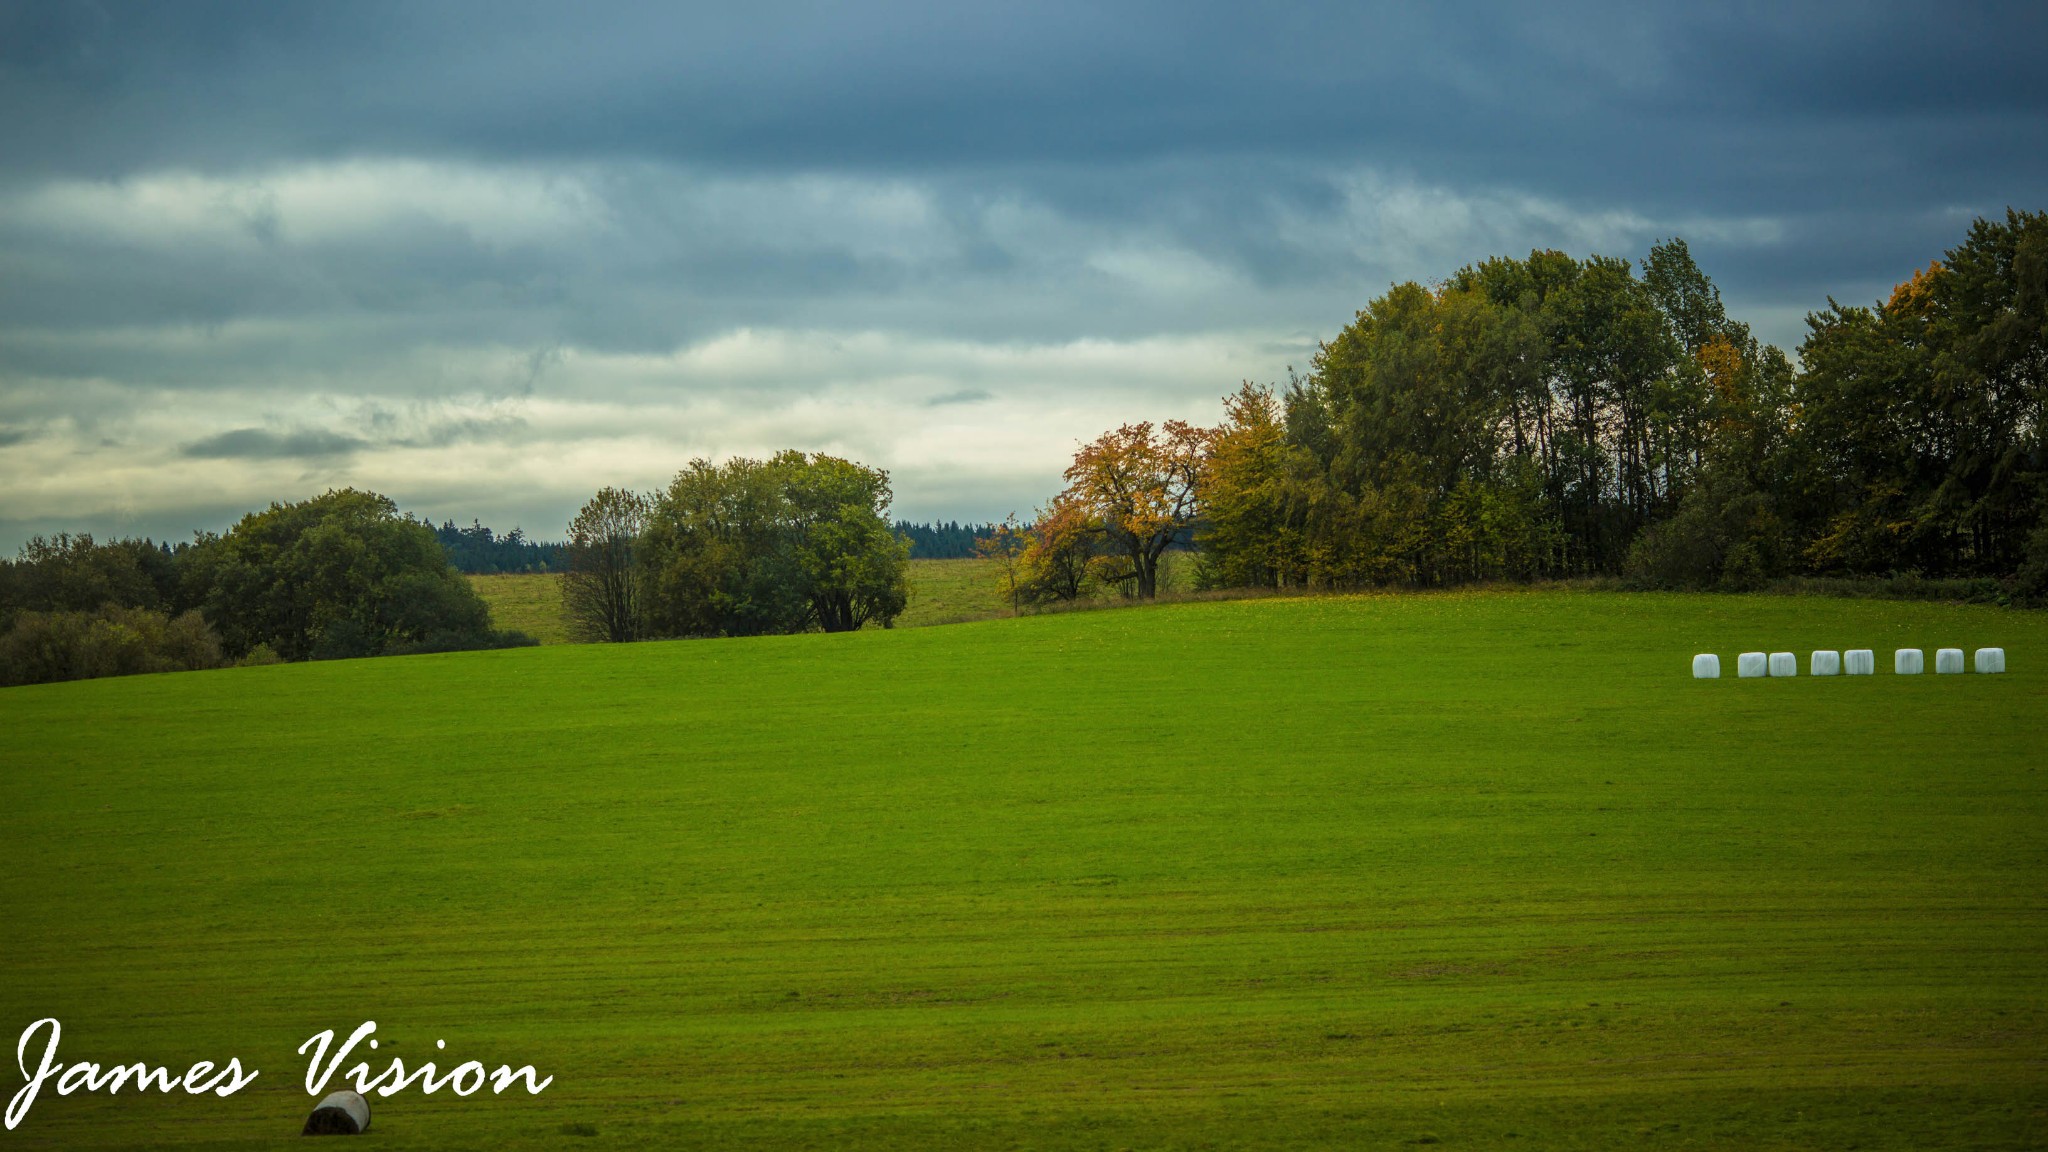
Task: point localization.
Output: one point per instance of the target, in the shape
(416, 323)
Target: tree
(1254, 497)
(1926, 413)
(601, 586)
(342, 574)
(1138, 490)
(852, 567)
(1005, 544)
(1058, 562)
(751, 547)
(75, 573)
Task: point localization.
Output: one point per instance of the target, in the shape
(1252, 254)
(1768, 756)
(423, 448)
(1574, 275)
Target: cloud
(490, 256)
(260, 444)
(965, 338)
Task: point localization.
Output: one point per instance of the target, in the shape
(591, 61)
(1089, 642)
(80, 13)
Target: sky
(488, 258)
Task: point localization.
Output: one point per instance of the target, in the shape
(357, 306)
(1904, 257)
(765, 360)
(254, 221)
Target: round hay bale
(1948, 661)
(1825, 663)
(1706, 666)
(1908, 662)
(339, 1114)
(1859, 662)
(1990, 660)
(1784, 664)
(1752, 664)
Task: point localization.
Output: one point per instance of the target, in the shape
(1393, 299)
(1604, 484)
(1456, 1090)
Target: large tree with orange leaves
(1137, 487)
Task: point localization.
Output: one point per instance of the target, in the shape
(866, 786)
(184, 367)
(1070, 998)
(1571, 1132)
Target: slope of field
(528, 602)
(953, 592)
(1482, 870)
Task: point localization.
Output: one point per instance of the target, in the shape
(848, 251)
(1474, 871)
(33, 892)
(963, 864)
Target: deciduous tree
(601, 586)
(1137, 487)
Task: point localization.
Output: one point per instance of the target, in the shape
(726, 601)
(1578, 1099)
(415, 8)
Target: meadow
(1478, 870)
(525, 602)
(941, 592)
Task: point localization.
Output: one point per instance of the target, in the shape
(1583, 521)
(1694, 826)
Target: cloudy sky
(488, 257)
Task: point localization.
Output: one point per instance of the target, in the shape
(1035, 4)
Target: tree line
(340, 575)
(1558, 417)
(794, 543)
(478, 551)
(948, 540)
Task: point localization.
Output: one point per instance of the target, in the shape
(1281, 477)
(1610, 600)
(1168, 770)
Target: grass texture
(1479, 870)
(954, 592)
(529, 602)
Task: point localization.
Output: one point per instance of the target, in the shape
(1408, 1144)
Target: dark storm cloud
(1889, 104)
(1857, 126)
(252, 245)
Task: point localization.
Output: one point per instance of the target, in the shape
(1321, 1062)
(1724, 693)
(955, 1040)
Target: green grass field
(1484, 871)
(954, 592)
(527, 602)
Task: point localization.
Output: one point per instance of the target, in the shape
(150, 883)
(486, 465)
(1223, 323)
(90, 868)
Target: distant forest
(948, 541)
(479, 551)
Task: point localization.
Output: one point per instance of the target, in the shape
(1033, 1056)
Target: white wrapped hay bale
(1908, 662)
(339, 1114)
(1948, 661)
(1859, 662)
(1751, 664)
(1825, 663)
(1784, 664)
(1990, 660)
(1706, 666)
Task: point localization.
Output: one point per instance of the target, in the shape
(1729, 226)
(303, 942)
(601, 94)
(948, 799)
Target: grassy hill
(1483, 870)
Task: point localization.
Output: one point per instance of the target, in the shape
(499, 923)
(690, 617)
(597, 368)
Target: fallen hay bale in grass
(1825, 663)
(339, 1114)
(1990, 660)
(1908, 662)
(1784, 664)
(1706, 666)
(1859, 662)
(1948, 661)
(1752, 664)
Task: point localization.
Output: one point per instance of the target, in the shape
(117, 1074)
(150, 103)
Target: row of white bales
(1855, 662)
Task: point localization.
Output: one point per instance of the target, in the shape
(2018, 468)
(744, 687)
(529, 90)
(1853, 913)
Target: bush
(259, 656)
(2030, 583)
(1725, 536)
(42, 647)
(1949, 590)
(465, 642)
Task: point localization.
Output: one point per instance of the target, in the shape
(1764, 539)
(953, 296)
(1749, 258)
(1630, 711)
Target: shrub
(451, 641)
(42, 647)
